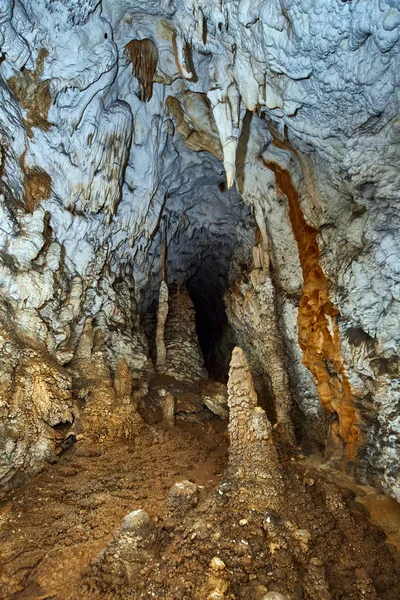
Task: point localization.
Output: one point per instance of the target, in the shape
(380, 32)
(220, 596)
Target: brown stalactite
(318, 330)
(143, 55)
(34, 95)
(38, 185)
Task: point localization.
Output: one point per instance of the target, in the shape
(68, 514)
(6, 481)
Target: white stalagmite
(162, 314)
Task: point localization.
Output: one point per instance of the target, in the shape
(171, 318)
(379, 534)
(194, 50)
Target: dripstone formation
(199, 284)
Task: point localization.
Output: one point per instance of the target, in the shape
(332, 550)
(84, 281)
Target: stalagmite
(184, 358)
(133, 546)
(123, 382)
(252, 306)
(180, 179)
(167, 406)
(182, 497)
(163, 254)
(252, 454)
(162, 314)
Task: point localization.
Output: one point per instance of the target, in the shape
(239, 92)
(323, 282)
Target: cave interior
(199, 300)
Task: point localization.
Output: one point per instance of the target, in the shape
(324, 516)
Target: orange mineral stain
(318, 330)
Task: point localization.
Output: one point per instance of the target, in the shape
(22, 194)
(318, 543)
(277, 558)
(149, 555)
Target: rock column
(160, 332)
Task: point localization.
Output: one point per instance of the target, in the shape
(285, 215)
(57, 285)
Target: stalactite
(318, 330)
(144, 58)
(181, 59)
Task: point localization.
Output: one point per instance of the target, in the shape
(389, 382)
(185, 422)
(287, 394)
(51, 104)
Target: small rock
(182, 497)
(243, 522)
(218, 405)
(217, 563)
(140, 526)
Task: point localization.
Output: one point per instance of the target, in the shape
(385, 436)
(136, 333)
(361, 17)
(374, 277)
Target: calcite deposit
(180, 179)
(253, 460)
(184, 360)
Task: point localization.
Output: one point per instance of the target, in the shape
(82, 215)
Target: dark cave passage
(216, 336)
(197, 249)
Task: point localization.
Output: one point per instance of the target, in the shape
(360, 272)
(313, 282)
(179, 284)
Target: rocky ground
(52, 528)
(109, 522)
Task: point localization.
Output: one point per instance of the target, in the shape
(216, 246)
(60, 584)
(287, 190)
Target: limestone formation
(252, 455)
(254, 146)
(37, 410)
(215, 399)
(121, 561)
(184, 358)
(110, 410)
(162, 313)
(123, 382)
(195, 123)
(167, 407)
(252, 307)
(144, 57)
(182, 497)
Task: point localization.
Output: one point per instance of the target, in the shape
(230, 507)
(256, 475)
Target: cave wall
(297, 102)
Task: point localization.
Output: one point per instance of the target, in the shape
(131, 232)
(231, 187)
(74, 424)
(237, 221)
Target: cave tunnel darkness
(207, 230)
(216, 336)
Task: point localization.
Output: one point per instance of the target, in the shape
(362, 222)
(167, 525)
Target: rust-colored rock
(37, 185)
(318, 330)
(33, 94)
(143, 55)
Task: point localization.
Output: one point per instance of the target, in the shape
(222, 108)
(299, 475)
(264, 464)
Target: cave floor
(52, 528)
